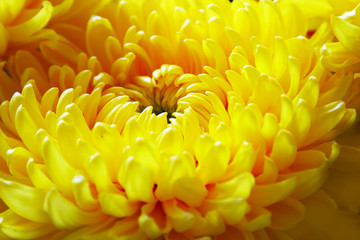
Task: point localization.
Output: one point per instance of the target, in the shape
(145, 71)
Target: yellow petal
(308, 159)
(153, 220)
(145, 152)
(78, 119)
(213, 50)
(134, 130)
(239, 84)
(347, 33)
(265, 85)
(269, 172)
(232, 210)
(137, 179)
(116, 204)
(213, 161)
(191, 129)
(263, 60)
(308, 181)
(49, 100)
(295, 23)
(170, 141)
(325, 119)
(301, 49)
(4, 146)
(124, 113)
(37, 22)
(343, 126)
(17, 227)
(190, 190)
(15, 194)
(300, 123)
(127, 228)
(38, 175)
(67, 137)
(270, 128)
(59, 53)
(243, 161)
(66, 98)
(172, 169)
(83, 194)
(224, 133)
(238, 187)
(24, 60)
(17, 159)
(58, 168)
(294, 72)
(142, 58)
(110, 144)
(208, 225)
(287, 111)
(62, 8)
(108, 109)
(27, 129)
(218, 106)
(246, 126)
(309, 93)
(256, 219)
(98, 30)
(66, 215)
(263, 195)
(284, 150)
(181, 218)
(98, 173)
(31, 103)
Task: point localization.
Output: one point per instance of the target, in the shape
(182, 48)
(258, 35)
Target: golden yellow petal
(212, 160)
(284, 150)
(60, 171)
(347, 34)
(37, 22)
(17, 227)
(261, 195)
(117, 204)
(13, 194)
(137, 179)
(66, 215)
(190, 190)
(180, 216)
(83, 193)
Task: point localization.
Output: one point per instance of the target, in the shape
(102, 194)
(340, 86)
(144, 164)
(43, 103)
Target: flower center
(161, 91)
(159, 109)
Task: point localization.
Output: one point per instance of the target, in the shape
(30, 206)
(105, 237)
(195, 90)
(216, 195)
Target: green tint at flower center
(162, 91)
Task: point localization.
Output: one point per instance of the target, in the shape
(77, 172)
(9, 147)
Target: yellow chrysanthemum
(182, 120)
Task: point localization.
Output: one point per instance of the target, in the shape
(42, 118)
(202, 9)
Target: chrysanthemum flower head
(182, 120)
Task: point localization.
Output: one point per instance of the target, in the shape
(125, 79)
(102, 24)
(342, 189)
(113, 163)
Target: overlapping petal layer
(181, 120)
(27, 21)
